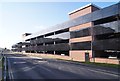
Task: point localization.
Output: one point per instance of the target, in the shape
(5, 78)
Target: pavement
(23, 67)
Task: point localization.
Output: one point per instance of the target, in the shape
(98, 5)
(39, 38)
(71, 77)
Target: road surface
(23, 67)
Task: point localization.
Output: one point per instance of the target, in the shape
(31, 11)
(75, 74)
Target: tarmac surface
(33, 68)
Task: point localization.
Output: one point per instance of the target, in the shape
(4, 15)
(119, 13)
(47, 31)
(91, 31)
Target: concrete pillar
(54, 52)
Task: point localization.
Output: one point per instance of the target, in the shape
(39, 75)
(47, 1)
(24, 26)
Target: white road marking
(39, 62)
(26, 57)
(42, 61)
(10, 71)
(27, 68)
(46, 69)
(19, 62)
(104, 73)
(101, 72)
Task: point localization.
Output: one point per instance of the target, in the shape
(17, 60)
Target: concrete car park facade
(91, 32)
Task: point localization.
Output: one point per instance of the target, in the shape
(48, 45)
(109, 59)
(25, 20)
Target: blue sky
(17, 18)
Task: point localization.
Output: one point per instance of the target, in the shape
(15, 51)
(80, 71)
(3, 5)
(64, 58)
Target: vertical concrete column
(36, 45)
(44, 45)
(92, 34)
(54, 43)
(54, 52)
(30, 46)
(44, 50)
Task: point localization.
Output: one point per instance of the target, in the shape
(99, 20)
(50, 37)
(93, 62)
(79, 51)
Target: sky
(17, 18)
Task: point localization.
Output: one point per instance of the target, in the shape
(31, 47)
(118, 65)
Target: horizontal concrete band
(89, 24)
(81, 39)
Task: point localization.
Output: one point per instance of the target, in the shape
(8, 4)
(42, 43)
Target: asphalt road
(23, 67)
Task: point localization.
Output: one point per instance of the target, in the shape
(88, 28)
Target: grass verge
(97, 64)
(103, 64)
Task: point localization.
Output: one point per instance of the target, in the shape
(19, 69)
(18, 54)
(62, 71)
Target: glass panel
(108, 44)
(40, 48)
(62, 47)
(57, 47)
(119, 7)
(78, 21)
(86, 18)
(119, 25)
(102, 30)
(110, 11)
(80, 33)
(97, 15)
(65, 35)
(105, 28)
(81, 46)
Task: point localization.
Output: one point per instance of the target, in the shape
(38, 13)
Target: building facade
(91, 32)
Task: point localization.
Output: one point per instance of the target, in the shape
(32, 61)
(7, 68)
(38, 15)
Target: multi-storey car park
(91, 32)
